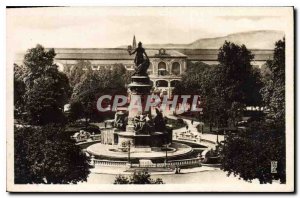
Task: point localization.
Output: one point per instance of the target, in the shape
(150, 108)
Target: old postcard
(180, 99)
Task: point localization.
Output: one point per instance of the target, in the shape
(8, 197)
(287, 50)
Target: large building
(166, 64)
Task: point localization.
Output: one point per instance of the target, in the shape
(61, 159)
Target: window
(175, 68)
(161, 83)
(162, 68)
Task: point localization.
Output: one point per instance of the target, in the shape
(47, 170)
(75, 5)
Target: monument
(138, 133)
(143, 132)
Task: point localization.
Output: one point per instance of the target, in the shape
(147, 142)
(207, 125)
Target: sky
(100, 27)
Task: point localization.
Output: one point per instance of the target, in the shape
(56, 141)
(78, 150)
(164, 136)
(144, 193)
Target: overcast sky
(112, 27)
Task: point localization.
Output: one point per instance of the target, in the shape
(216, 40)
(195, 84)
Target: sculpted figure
(141, 60)
(120, 120)
(143, 124)
(159, 121)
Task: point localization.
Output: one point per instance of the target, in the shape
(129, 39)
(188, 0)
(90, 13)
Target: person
(187, 127)
(139, 57)
(192, 122)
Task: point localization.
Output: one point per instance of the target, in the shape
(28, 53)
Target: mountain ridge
(260, 39)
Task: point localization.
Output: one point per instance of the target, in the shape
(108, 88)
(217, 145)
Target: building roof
(122, 54)
(108, 54)
(212, 54)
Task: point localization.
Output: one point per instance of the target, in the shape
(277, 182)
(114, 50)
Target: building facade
(166, 65)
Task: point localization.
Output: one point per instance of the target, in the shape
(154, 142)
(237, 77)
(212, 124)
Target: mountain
(262, 39)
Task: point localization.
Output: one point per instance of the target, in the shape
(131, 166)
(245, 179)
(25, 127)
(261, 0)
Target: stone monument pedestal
(142, 132)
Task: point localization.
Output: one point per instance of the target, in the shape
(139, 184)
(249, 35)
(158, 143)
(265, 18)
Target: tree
(234, 84)
(248, 154)
(237, 77)
(76, 111)
(94, 84)
(274, 86)
(192, 79)
(138, 177)
(46, 98)
(48, 155)
(37, 60)
(225, 89)
(76, 72)
(19, 90)
(47, 89)
(264, 139)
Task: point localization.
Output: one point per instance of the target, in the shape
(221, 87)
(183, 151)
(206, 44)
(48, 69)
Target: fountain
(140, 134)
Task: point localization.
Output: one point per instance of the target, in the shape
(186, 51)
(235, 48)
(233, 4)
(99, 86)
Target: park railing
(97, 162)
(193, 161)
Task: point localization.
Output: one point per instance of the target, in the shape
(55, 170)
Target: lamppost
(128, 146)
(166, 147)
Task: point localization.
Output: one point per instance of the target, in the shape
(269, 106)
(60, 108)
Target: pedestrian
(192, 122)
(179, 170)
(187, 127)
(104, 124)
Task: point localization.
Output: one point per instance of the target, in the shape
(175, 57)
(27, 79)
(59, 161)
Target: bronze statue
(120, 120)
(141, 63)
(143, 124)
(159, 121)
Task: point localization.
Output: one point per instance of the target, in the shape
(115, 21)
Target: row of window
(164, 83)
(162, 68)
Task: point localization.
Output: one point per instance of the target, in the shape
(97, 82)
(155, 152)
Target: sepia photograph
(150, 99)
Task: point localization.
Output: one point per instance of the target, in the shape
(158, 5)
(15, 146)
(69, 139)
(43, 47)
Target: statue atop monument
(141, 60)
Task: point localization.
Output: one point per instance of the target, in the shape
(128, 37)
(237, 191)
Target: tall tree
(48, 155)
(237, 76)
(47, 89)
(264, 139)
(274, 89)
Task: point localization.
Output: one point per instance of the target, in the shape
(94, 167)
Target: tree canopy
(47, 155)
(77, 71)
(138, 177)
(94, 84)
(249, 153)
(226, 88)
(47, 90)
(274, 89)
(19, 90)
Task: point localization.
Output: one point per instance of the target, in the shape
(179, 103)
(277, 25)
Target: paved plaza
(215, 176)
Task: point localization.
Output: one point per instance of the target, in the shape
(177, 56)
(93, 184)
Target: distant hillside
(253, 40)
(263, 39)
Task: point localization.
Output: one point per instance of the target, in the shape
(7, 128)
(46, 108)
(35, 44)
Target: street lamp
(166, 147)
(128, 146)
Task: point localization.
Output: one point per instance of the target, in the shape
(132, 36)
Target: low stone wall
(111, 163)
(97, 162)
